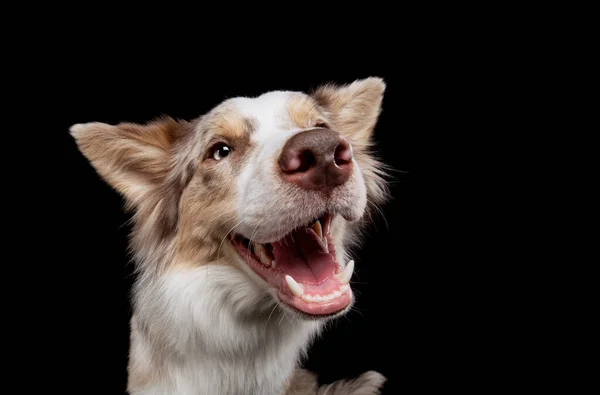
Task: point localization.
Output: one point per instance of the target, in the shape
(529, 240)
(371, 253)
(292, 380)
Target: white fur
(214, 347)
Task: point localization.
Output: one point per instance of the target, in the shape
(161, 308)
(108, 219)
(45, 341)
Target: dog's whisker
(225, 237)
(381, 213)
(270, 314)
(284, 315)
(256, 229)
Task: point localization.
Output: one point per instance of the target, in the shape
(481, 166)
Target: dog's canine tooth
(261, 253)
(294, 286)
(346, 274)
(318, 228)
(273, 264)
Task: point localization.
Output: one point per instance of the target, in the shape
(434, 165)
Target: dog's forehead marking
(270, 111)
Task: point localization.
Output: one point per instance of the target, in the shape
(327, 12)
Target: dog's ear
(354, 108)
(134, 159)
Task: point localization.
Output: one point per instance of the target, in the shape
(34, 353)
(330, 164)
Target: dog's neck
(208, 330)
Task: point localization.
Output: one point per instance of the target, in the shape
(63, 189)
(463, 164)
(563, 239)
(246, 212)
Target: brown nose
(316, 159)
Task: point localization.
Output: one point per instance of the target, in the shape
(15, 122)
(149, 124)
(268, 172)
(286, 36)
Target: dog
(242, 225)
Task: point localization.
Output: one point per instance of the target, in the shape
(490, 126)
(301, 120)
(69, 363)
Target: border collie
(243, 225)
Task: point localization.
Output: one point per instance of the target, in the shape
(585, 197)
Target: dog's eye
(220, 151)
(321, 125)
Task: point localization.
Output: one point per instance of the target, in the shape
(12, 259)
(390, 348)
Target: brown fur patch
(353, 109)
(225, 125)
(230, 125)
(133, 159)
(303, 112)
(205, 212)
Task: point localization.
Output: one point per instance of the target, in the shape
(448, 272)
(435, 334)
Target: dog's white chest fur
(215, 349)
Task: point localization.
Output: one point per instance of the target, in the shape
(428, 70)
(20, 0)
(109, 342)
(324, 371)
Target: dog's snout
(316, 159)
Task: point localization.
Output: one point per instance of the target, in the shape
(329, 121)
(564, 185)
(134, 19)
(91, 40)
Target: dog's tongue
(302, 255)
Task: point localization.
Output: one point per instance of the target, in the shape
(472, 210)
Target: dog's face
(270, 185)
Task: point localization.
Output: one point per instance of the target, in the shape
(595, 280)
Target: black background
(409, 322)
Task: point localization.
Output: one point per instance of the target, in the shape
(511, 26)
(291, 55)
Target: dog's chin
(302, 269)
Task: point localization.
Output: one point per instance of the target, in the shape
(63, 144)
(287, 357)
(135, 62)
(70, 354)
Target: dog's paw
(302, 383)
(368, 383)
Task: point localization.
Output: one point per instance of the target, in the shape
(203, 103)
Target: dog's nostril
(307, 160)
(298, 161)
(342, 154)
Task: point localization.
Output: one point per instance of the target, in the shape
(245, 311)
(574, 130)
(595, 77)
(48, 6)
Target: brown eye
(321, 125)
(220, 151)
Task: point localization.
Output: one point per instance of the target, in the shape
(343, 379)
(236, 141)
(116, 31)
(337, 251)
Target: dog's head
(271, 185)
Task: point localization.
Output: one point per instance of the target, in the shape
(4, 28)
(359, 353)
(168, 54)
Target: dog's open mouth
(303, 267)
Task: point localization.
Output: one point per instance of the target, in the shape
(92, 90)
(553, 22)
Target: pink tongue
(302, 256)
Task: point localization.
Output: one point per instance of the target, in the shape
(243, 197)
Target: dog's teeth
(325, 244)
(307, 298)
(346, 274)
(273, 264)
(327, 298)
(318, 228)
(317, 298)
(261, 253)
(294, 286)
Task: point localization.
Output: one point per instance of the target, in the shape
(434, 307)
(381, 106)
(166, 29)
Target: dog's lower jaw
(191, 334)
